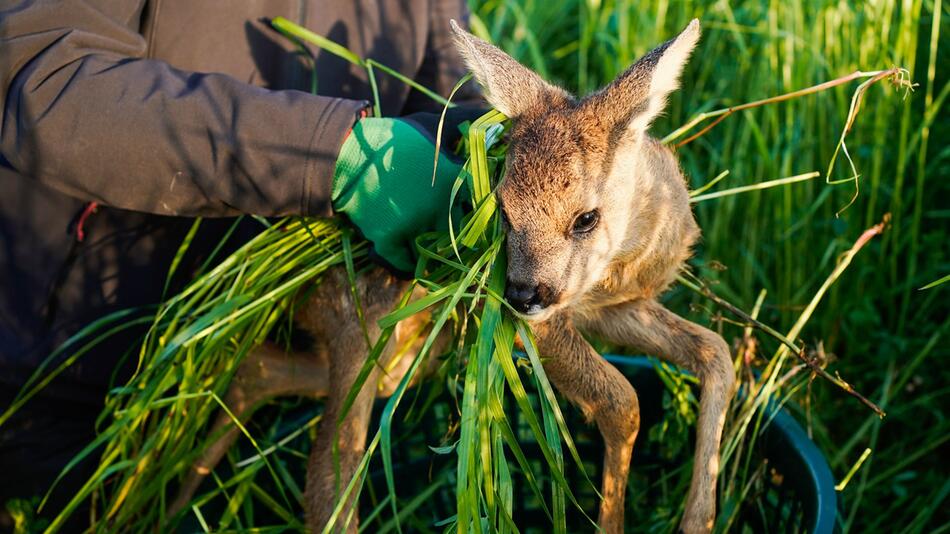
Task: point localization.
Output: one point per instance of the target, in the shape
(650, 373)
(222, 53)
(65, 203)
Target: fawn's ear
(509, 86)
(639, 94)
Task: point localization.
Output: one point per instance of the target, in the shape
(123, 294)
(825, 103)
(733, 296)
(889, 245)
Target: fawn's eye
(504, 217)
(585, 222)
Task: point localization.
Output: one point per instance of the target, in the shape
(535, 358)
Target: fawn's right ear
(509, 86)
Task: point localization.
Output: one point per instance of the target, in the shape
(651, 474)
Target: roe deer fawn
(598, 224)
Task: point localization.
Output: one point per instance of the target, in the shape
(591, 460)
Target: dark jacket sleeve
(85, 112)
(442, 66)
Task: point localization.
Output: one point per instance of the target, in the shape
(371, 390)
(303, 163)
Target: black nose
(524, 298)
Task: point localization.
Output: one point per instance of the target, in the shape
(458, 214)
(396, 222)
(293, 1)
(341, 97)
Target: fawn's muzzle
(528, 299)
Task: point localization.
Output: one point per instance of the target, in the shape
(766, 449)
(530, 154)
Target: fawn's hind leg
(331, 315)
(605, 396)
(648, 326)
(266, 372)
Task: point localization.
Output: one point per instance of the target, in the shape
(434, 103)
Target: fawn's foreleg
(328, 475)
(331, 315)
(605, 396)
(648, 326)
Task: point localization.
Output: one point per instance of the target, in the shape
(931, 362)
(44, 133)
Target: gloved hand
(383, 180)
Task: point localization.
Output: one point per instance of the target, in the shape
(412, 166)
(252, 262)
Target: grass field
(879, 331)
(783, 253)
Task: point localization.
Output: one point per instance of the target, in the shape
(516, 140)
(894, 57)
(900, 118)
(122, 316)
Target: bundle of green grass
(156, 426)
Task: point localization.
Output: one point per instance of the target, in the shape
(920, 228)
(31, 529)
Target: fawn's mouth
(536, 314)
(532, 311)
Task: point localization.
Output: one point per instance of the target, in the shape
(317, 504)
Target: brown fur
(566, 157)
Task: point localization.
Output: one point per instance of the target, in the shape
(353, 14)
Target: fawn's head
(572, 167)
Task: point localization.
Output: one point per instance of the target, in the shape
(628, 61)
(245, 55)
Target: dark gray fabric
(160, 111)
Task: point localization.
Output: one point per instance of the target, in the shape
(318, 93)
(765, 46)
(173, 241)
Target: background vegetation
(768, 251)
(879, 331)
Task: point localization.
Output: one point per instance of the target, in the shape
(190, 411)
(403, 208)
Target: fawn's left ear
(639, 94)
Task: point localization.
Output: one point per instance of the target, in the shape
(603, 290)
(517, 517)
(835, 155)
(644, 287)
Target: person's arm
(86, 113)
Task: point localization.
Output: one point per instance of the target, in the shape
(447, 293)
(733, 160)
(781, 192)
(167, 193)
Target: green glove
(383, 181)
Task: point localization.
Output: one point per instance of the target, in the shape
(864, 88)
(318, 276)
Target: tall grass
(884, 335)
(777, 251)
